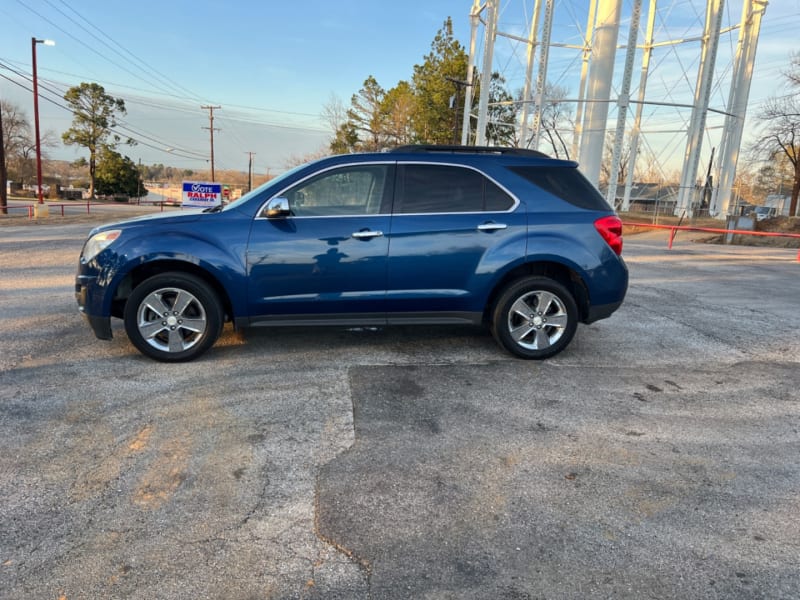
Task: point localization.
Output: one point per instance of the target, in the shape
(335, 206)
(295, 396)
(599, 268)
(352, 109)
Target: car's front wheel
(535, 318)
(173, 317)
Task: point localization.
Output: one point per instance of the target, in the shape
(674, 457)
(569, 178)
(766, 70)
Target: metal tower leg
(752, 12)
(637, 122)
(587, 53)
(601, 72)
(486, 73)
(474, 17)
(526, 93)
(622, 102)
(541, 78)
(702, 94)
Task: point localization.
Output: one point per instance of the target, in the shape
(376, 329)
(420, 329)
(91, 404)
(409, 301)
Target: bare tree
(344, 136)
(624, 159)
(647, 168)
(793, 75)
(17, 140)
(780, 131)
(334, 113)
(295, 160)
(556, 118)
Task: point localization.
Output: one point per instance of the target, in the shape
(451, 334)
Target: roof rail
(420, 148)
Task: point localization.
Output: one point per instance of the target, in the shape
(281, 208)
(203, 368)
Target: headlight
(99, 242)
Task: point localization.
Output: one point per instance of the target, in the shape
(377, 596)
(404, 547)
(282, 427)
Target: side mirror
(277, 208)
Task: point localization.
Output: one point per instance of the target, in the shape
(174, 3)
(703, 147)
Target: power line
(154, 103)
(164, 148)
(143, 66)
(93, 50)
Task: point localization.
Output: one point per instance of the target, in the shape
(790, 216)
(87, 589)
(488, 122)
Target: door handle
(491, 226)
(365, 235)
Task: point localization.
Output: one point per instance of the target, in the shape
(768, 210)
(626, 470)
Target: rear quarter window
(566, 183)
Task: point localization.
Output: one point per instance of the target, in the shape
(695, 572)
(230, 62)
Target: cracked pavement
(656, 457)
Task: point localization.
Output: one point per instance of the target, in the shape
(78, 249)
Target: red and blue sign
(201, 194)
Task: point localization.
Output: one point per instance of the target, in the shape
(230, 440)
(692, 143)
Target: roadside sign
(201, 194)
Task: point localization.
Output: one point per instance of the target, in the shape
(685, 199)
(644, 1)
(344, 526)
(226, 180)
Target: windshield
(262, 187)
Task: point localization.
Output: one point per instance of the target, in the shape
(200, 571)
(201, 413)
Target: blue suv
(420, 235)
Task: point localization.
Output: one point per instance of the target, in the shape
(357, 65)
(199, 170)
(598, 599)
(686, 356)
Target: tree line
(426, 109)
(94, 115)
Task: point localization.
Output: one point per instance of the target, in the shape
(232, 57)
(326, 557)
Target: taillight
(611, 229)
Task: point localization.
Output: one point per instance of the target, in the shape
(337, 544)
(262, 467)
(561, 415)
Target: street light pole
(34, 41)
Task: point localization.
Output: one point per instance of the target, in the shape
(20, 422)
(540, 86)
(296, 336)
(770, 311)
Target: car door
(325, 258)
(453, 229)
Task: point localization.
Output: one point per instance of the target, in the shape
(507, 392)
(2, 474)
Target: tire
(535, 318)
(173, 317)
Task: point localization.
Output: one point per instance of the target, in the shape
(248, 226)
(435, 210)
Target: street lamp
(34, 41)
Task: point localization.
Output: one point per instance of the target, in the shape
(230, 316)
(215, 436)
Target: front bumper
(101, 326)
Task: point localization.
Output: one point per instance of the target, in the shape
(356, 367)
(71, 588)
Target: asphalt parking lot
(657, 457)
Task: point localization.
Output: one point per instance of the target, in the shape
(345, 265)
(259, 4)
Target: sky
(272, 66)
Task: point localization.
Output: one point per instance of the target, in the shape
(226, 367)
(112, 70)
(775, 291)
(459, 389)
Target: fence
(30, 208)
(674, 229)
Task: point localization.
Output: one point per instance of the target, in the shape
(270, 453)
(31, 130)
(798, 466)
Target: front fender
(222, 262)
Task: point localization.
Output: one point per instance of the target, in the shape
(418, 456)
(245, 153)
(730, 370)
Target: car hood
(185, 216)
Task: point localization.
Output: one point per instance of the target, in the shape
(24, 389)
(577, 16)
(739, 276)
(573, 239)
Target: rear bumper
(602, 311)
(610, 284)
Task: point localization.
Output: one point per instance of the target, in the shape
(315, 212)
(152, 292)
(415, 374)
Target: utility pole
(41, 209)
(210, 127)
(250, 170)
(455, 101)
(3, 173)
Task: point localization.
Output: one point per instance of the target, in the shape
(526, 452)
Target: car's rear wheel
(535, 318)
(173, 317)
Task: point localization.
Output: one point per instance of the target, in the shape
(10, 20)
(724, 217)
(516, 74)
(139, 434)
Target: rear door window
(446, 189)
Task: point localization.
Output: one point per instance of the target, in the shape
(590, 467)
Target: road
(655, 458)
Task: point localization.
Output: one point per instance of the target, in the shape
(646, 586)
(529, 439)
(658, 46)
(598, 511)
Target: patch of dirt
(780, 224)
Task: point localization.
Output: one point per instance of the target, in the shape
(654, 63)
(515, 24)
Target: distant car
(764, 212)
(421, 235)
